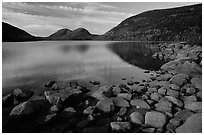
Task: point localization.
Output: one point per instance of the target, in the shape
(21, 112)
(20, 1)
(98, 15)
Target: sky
(45, 18)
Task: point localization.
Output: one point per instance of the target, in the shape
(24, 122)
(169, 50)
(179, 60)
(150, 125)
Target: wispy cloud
(45, 18)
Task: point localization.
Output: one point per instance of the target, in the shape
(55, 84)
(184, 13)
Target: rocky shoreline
(169, 102)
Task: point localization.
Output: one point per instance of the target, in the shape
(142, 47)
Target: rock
(179, 79)
(151, 90)
(174, 87)
(192, 98)
(155, 96)
(136, 118)
(199, 95)
(33, 106)
(54, 109)
(54, 96)
(175, 101)
(164, 77)
(130, 83)
(50, 84)
(172, 93)
(164, 105)
(120, 126)
(106, 105)
(82, 124)
(98, 95)
(155, 119)
(162, 91)
(182, 115)
(116, 90)
(22, 95)
(48, 118)
(95, 130)
(89, 110)
(120, 102)
(7, 100)
(95, 82)
(175, 122)
(59, 85)
(192, 125)
(148, 130)
(122, 111)
(67, 113)
(190, 90)
(197, 83)
(194, 106)
(173, 64)
(126, 96)
(139, 103)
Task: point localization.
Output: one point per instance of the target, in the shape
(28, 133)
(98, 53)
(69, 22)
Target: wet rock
(192, 125)
(174, 87)
(194, 106)
(136, 118)
(175, 101)
(22, 95)
(98, 95)
(105, 105)
(155, 96)
(120, 126)
(89, 110)
(179, 79)
(7, 100)
(162, 91)
(197, 83)
(96, 130)
(139, 103)
(126, 96)
(23, 109)
(190, 90)
(120, 102)
(122, 111)
(155, 119)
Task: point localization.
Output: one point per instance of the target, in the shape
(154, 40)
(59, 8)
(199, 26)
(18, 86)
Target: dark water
(32, 64)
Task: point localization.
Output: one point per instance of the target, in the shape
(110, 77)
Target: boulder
(54, 96)
(136, 118)
(126, 96)
(174, 87)
(89, 110)
(164, 105)
(162, 91)
(194, 106)
(120, 126)
(33, 106)
(22, 95)
(7, 100)
(172, 93)
(197, 83)
(192, 125)
(175, 101)
(155, 96)
(190, 91)
(120, 102)
(155, 119)
(122, 111)
(105, 105)
(164, 77)
(179, 79)
(192, 98)
(139, 103)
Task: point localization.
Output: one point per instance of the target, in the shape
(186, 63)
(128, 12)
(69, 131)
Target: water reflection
(81, 48)
(138, 54)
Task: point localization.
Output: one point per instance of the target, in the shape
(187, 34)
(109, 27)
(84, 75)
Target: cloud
(51, 16)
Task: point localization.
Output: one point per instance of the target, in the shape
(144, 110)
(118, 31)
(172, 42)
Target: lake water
(32, 64)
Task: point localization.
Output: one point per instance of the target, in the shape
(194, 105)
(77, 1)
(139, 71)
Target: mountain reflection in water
(138, 54)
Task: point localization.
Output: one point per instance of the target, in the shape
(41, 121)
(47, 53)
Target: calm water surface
(32, 64)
